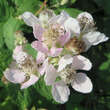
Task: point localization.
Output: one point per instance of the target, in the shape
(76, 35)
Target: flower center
(68, 74)
(30, 67)
(54, 61)
(52, 34)
(86, 24)
(26, 63)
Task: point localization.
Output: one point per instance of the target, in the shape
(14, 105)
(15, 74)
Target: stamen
(52, 34)
(68, 74)
(86, 24)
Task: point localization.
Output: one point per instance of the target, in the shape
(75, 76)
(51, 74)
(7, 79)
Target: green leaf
(1, 36)
(105, 65)
(71, 11)
(24, 5)
(73, 1)
(31, 51)
(7, 104)
(23, 99)
(5, 58)
(9, 29)
(43, 89)
(6, 10)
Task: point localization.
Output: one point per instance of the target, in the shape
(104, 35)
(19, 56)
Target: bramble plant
(51, 45)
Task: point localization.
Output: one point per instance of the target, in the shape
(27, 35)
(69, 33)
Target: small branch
(41, 7)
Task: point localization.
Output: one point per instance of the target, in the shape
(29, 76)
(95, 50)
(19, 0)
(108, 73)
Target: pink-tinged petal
(81, 63)
(33, 79)
(14, 75)
(30, 19)
(43, 67)
(64, 61)
(38, 32)
(40, 57)
(39, 46)
(50, 75)
(82, 83)
(60, 92)
(64, 38)
(55, 51)
(16, 51)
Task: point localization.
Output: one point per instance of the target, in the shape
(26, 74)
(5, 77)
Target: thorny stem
(41, 7)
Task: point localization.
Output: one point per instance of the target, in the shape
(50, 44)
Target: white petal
(59, 18)
(72, 25)
(14, 75)
(81, 63)
(64, 61)
(82, 83)
(43, 67)
(40, 57)
(60, 92)
(45, 16)
(21, 57)
(29, 18)
(50, 75)
(16, 51)
(94, 38)
(85, 15)
(33, 79)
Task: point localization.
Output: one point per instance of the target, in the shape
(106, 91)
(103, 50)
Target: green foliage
(1, 36)
(23, 5)
(71, 11)
(7, 104)
(5, 10)
(9, 29)
(31, 51)
(5, 58)
(43, 90)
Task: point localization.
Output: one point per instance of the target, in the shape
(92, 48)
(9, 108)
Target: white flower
(17, 76)
(68, 75)
(83, 27)
(23, 70)
(51, 37)
(70, 24)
